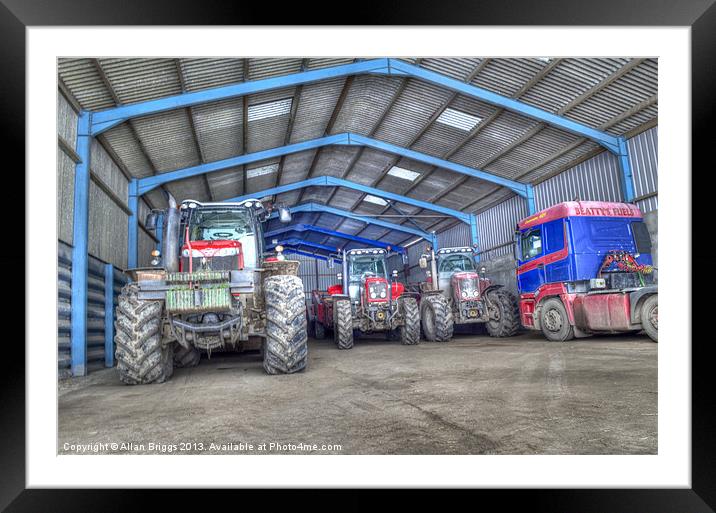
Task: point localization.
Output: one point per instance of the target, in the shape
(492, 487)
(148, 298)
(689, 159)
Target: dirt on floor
(472, 395)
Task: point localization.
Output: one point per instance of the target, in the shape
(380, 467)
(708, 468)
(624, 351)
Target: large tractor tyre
(650, 317)
(141, 357)
(343, 328)
(555, 322)
(410, 330)
(319, 330)
(436, 318)
(286, 348)
(504, 314)
(186, 356)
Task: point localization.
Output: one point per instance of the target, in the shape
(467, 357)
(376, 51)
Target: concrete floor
(473, 395)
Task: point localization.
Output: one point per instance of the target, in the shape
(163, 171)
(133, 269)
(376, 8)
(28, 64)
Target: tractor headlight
(382, 294)
(464, 293)
(155, 253)
(155, 261)
(373, 295)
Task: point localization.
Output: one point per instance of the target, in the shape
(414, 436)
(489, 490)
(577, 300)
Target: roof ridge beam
(350, 139)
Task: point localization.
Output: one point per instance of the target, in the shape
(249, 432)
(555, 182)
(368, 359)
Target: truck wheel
(141, 357)
(504, 315)
(555, 322)
(286, 347)
(343, 329)
(186, 357)
(650, 317)
(319, 329)
(410, 330)
(436, 318)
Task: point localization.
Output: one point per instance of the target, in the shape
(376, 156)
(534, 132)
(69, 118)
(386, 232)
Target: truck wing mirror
(284, 215)
(330, 263)
(150, 223)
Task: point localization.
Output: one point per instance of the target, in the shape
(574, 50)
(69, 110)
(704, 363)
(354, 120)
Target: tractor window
(367, 265)
(531, 244)
(642, 239)
(220, 224)
(455, 263)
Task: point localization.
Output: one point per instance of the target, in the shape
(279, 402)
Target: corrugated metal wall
(595, 179)
(95, 309)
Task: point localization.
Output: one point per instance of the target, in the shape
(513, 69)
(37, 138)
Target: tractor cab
(220, 236)
(366, 276)
(458, 275)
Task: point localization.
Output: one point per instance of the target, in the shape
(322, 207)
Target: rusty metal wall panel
(66, 121)
(145, 245)
(107, 228)
(65, 196)
(644, 158)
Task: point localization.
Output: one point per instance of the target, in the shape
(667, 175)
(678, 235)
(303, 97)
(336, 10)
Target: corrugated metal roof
(614, 94)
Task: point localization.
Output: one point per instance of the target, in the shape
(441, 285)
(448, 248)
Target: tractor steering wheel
(221, 235)
(367, 274)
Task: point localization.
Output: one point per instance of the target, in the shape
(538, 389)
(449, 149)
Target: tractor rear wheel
(186, 356)
(286, 347)
(343, 328)
(410, 330)
(650, 317)
(555, 322)
(319, 330)
(141, 357)
(504, 314)
(436, 318)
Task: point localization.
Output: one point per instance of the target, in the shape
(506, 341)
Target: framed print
(421, 252)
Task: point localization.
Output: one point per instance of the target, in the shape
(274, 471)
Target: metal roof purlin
(331, 181)
(332, 233)
(346, 139)
(105, 119)
(317, 207)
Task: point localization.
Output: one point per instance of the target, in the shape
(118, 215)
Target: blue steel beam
(332, 233)
(312, 255)
(133, 223)
(317, 207)
(300, 242)
(80, 239)
(345, 139)
(105, 119)
(626, 174)
(108, 315)
(332, 181)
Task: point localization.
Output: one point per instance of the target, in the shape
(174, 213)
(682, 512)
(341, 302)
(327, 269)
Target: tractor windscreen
(221, 224)
(364, 266)
(456, 263)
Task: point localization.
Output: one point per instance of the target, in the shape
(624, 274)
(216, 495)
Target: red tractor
(365, 302)
(455, 293)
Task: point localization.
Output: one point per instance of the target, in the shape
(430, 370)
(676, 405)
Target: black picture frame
(16, 15)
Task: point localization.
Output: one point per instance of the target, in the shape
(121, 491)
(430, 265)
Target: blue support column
(626, 173)
(80, 243)
(434, 241)
(530, 197)
(133, 226)
(108, 315)
(474, 235)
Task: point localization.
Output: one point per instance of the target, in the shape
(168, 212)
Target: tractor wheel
(650, 317)
(319, 330)
(141, 357)
(555, 322)
(186, 357)
(343, 328)
(286, 348)
(504, 314)
(410, 330)
(436, 318)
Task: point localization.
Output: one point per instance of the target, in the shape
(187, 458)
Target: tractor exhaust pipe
(170, 251)
(345, 273)
(433, 269)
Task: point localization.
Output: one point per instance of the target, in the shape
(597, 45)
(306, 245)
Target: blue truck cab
(592, 257)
